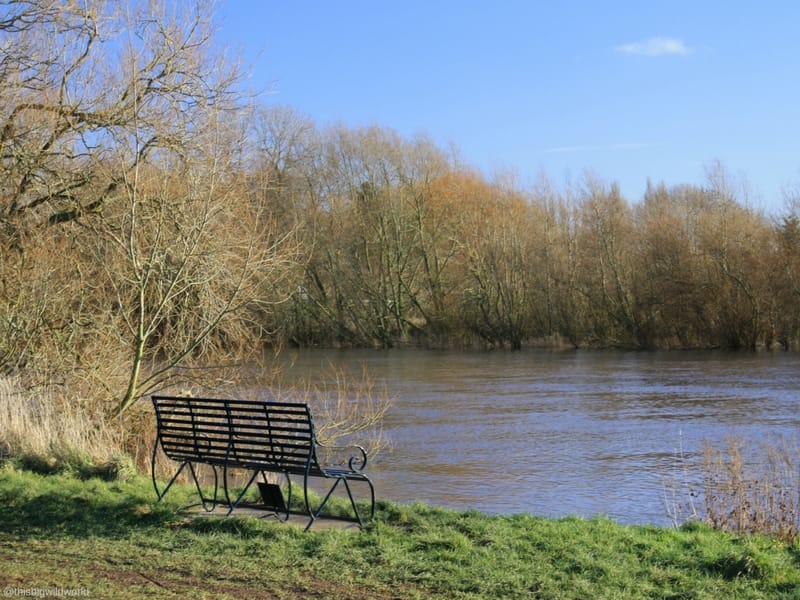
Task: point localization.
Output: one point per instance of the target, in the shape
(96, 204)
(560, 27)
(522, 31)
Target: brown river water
(564, 433)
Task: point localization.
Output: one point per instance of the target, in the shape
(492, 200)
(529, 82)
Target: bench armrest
(354, 456)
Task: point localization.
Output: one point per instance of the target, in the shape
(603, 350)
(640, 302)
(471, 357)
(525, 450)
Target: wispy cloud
(622, 146)
(656, 46)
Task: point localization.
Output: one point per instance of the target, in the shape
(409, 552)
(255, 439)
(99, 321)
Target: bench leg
(289, 496)
(314, 514)
(160, 495)
(353, 501)
(203, 499)
(371, 499)
(250, 482)
(208, 504)
(235, 503)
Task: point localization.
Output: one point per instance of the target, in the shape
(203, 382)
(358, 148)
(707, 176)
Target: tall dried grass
(45, 426)
(753, 488)
(681, 489)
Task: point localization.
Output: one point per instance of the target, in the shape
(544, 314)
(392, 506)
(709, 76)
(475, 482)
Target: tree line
(155, 218)
(409, 247)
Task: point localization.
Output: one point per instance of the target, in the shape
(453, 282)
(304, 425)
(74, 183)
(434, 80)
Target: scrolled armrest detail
(354, 456)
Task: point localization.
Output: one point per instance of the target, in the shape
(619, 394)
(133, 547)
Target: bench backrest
(250, 434)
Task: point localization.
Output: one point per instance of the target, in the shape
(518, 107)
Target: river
(557, 433)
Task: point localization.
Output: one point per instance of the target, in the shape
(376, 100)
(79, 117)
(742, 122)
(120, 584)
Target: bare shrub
(347, 407)
(753, 489)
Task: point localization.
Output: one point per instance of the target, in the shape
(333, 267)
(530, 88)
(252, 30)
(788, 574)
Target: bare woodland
(155, 219)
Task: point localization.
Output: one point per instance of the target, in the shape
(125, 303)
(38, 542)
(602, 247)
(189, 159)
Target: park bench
(255, 438)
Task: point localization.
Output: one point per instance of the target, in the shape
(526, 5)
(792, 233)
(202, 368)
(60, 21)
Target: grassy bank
(108, 540)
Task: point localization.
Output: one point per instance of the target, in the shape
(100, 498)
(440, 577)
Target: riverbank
(107, 539)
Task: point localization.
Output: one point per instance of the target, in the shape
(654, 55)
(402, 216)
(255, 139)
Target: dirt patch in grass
(42, 566)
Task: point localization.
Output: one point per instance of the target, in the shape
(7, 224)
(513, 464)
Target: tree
(738, 243)
(85, 82)
(123, 142)
(672, 285)
(189, 266)
(605, 254)
(786, 270)
(441, 206)
(365, 276)
(496, 248)
(285, 145)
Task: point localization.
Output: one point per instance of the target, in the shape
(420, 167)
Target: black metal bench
(257, 437)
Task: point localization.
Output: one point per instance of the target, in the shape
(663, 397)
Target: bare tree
(81, 82)
(738, 242)
(189, 265)
(606, 262)
(366, 269)
(124, 127)
(494, 241)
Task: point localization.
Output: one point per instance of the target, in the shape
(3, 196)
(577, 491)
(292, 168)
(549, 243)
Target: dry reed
(753, 488)
(46, 426)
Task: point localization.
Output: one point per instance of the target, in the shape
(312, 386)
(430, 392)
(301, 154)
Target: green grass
(111, 540)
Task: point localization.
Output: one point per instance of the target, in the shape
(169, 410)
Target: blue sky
(625, 90)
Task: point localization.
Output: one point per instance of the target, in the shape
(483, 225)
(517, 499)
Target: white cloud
(655, 46)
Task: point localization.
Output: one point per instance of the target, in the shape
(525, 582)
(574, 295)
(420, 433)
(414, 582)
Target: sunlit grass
(110, 538)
